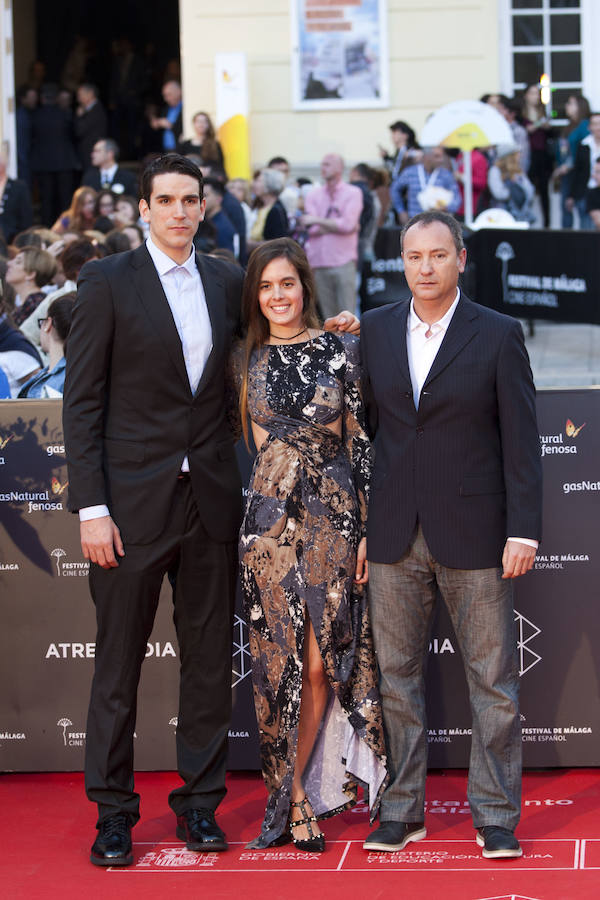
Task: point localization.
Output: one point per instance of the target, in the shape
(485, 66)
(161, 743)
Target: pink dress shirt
(344, 206)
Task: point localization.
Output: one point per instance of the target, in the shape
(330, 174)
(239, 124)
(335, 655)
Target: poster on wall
(339, 54)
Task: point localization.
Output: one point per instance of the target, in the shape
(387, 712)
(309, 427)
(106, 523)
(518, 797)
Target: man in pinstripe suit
(455, 507)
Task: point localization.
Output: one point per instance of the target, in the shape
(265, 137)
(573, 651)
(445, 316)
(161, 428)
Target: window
(544, 37)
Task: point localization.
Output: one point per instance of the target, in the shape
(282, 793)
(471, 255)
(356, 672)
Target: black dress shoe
(112, 847)
(498, 842)
(197, 827)
(392, 836)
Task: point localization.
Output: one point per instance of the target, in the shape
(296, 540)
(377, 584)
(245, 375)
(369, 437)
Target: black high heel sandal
(315, 843)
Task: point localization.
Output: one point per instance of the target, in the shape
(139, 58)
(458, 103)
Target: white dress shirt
(185, 295)
(422, 344)
(107, 175)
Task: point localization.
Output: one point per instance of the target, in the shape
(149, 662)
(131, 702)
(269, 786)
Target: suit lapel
(215, 294)
(155, 303)
(462, 328)
(396, 336)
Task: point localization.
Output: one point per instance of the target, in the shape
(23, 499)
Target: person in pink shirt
(332, 217)
(479, 169)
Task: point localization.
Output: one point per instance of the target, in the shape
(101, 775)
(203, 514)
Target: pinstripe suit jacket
(466, 464)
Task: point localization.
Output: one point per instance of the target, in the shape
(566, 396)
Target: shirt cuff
(528, 541)
(93, 512)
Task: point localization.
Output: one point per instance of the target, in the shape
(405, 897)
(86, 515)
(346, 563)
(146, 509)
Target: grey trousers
(402, 600)
(336, 288)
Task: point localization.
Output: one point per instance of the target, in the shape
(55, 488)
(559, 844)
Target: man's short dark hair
(116, 242)
(511, 104)
(363, 171)
(216, 184)
(277, 161)
(436, 215)
(75, 255)
(168, 164)
(112, 147)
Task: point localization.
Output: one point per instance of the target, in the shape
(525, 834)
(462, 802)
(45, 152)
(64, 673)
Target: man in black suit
(53, 158)
(16, 211)
(90, 123)
(455, 507)
(153, 474)
(105, 172)
(152, 471)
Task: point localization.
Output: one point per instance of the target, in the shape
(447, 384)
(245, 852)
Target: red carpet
(47, 827)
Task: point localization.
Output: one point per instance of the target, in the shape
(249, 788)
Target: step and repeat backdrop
(533, 274)
(48, 626)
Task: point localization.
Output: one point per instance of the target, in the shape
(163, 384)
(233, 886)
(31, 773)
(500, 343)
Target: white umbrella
(466, 124)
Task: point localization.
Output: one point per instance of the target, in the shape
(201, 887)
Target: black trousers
(203, 575)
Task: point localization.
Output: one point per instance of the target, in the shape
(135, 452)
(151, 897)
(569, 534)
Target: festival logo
(64, 724)
(66, 569)
(70, 738)
(528, 658)
(528, 289)
(240, 658)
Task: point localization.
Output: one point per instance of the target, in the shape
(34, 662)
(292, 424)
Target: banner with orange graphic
(231, 82)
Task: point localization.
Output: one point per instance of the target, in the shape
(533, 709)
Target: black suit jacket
(582, 168)
(52, 148)
(16, 211)
(91, 178)
(467, 463)
(129, 414)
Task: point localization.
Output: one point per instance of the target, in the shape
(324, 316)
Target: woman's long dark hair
(208, 150)
(61, 313)
(256, 326)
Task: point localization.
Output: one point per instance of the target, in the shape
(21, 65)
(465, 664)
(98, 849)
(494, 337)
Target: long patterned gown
(305, 513)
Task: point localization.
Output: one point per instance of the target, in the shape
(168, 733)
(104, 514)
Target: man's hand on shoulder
(100, 538)
(517, 559)
(344, 321)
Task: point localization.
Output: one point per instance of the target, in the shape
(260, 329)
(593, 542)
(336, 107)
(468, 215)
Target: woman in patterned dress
(303, 554)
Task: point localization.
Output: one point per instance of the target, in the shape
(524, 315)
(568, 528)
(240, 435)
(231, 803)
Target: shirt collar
(164, 263)
(415, 322)
(110, 172)
(60, 365)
